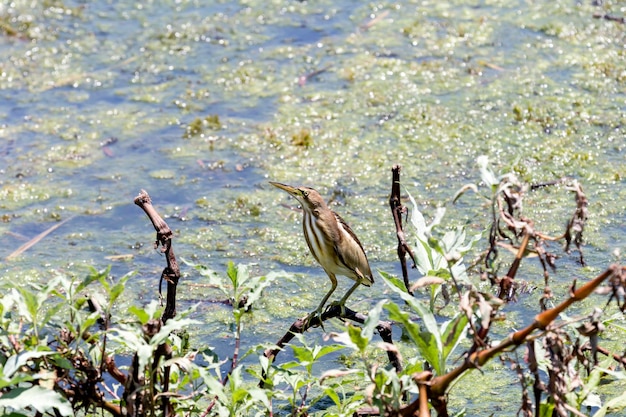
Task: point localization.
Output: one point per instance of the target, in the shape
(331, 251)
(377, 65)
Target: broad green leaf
(127, 338)
(621, 375)
(232, 273)
(214, 386)
(140, 313)
(325, 350)
(452, 333)
(427, 317)
(429, 341)
(373, 317)
(62, 362)
(102, 278)
(28, 305)
(546, 409)
(93, 276)
(392, 281)
(486, 174)
(239, 395)
(172, 325)
(331, 392)
(52, 312)
(304, 354)
(613, 405)
(243, 274)
(235, 378)
(213, 277)
(357, 338)
(423, 257)
(425, 342)
(417, 219)
(439, 214)
(144, 354)
(593, 381)
(15, 362)
(541, 356)
(16, 380)
(257, 284)
(264, 362)
(84, 323)
(118, 288)
(259, 395)
(39, 398)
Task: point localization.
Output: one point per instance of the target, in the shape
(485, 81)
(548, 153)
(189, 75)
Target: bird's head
(308, 197)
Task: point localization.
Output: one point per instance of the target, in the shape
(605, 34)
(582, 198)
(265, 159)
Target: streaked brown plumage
(331, 241)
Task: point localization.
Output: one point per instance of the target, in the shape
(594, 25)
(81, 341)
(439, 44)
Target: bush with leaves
(59, 342)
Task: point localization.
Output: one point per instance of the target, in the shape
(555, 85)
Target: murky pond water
(203, 104)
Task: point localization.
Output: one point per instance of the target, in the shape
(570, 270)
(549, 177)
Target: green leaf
(214, 387)
(325, 350)
(332, 394)
(28, 305)
(118, 288)
(423, 257)
(429, 341)
(452, 333)
(172, 325)
(357, 338)
(62, 362)
(52, 312)
(102, 277)
(486, 174)
(613, 405)
(259, 395)
(232, 273)
(303, 354)
(127, 338)
(417, 219)
(546, 409)
(140, 313)
(15, 362)
(424, 341)
(17, 379)
(144, 354)
(94, 275)
(392, 281)
(37, 397)
(257, 285)
(428, 318)
(373, 317)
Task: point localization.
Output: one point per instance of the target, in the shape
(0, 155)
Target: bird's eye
(305, 193)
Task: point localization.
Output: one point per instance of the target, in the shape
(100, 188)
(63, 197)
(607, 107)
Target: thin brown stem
(397, 209)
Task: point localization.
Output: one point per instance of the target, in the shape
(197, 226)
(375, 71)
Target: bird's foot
(335, 304)
(314, 319)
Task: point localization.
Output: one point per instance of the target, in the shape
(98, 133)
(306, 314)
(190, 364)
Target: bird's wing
(359, 262)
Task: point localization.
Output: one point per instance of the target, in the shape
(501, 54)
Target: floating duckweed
(302, 138)
(162, 174)
(200, 125)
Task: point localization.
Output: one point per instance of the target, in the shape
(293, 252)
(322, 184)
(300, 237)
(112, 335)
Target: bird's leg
(343, 300)
(333, 281)
(318, 311)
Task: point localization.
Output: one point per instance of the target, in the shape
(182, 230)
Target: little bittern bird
(331, 242)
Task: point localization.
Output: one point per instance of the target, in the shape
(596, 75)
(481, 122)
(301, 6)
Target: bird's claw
(310, 317)
(336, 304)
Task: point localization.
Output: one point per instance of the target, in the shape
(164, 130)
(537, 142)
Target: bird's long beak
(288, 188)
